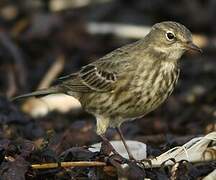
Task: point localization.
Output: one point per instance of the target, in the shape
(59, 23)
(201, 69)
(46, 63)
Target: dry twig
(53, 72)
(68, 164)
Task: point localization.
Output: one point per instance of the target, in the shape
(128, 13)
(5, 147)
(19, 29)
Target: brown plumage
(131, 81)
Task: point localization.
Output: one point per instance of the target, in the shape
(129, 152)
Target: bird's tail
(42, 92)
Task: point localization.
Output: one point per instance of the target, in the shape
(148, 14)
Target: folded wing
(90, 78)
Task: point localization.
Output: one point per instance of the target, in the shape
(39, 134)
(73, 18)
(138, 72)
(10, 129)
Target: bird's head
(171, 39)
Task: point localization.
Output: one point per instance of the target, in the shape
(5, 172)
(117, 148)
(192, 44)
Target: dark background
(34, 33)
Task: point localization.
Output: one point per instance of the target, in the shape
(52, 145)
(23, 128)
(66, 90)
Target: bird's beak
(192, 46)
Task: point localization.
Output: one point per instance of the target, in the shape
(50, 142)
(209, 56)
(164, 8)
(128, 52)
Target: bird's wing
(92, 77)
(101, 75)
(97, 78)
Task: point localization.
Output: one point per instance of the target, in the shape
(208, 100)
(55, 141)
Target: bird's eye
(170, 36)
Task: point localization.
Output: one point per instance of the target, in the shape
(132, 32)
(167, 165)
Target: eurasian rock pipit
(130, 81)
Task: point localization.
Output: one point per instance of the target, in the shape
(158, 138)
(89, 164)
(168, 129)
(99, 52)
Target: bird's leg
(107, 148)
(107, 143)
(125, 144)
(102, 125)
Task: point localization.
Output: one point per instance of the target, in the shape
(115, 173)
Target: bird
(129, 82)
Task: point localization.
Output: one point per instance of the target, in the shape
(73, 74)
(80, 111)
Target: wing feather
(97, 78)
(89, 78)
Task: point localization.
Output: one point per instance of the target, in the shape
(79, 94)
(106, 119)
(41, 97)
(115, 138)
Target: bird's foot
(143, 162)
(107, 149)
